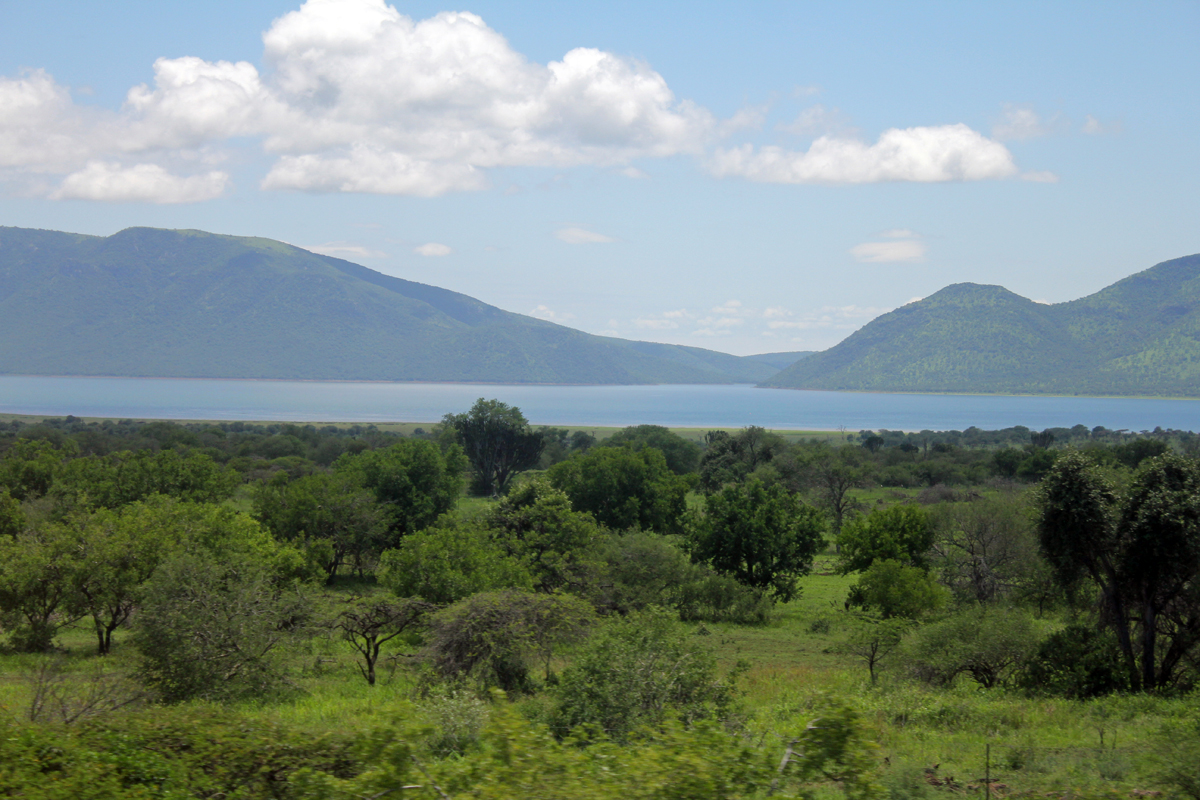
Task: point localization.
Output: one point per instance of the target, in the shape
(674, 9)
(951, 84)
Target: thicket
(1064, 562)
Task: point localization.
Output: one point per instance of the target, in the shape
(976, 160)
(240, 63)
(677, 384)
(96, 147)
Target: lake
(674, 406)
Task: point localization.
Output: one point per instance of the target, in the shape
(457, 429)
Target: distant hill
(164, 303)
(779, 360)
(1140, 336)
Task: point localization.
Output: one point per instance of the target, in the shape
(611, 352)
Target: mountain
(1140, 336)
(167, 303)
(780, 360)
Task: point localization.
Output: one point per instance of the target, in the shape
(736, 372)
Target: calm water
(683, 406)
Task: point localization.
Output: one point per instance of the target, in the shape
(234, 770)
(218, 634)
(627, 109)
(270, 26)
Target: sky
(747, 177)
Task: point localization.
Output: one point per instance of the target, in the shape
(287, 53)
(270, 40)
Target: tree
(761, 535)
(731, 459)
(832, 472)
(1141, 550)
(986, 642)
(450, 562)
(215, 630)
(370, 623)
(902, 533)
(986, 549)
(893, 589)
(12, 520)
(682, 455)
(623, 488)
(414, 479)
(498, 443)
(494, 636)
(875, 641)
(126, 477)
(641, 670)
(536, 525)
(36, 570)
(329, 508)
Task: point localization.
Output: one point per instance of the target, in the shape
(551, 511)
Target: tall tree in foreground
(498, 443)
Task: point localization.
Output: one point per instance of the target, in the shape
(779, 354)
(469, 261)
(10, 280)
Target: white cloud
(901, 250)
(900, 233)
(849, 317)
(1094, 127)
(1019, 122)
(142, 183)
(926, 155)
(345, 250)
(676, 314)
(818, 121)
(360, 98)
(544, 312)
(581, 236)
(633, 172)
(1039, 177)
(433, 249)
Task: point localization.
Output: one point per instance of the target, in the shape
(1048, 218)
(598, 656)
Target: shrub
(989, 644)
(638, 671)
(1077, 662)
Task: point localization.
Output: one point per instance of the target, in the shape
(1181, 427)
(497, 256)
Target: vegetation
(290, 612)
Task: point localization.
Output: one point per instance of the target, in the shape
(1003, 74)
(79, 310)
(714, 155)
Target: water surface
(675, 405)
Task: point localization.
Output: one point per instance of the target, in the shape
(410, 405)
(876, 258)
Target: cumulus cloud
(433, 249)
(1019, 122)
(581, 236)
(345, 250)
(925, 155)
(142, 183)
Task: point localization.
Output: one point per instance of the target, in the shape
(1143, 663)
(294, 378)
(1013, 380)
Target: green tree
(498, 443)
(450, 562)
(126, 477)
(682, 455)
(876, 641)
(732, 458)
(415, 479)
(640, 671)
(831, 472)
(536, 525)
(12, 519)
(624, 488)
(895, 590)
(986, 549)
(216, 630)
(330, 508)
(36, 587)
(988, 643)
(761, 535)
(494, 637)
(29, 467)
(901, 533)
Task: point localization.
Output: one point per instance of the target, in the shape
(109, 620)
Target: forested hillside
(1140, 336)
(160, 303)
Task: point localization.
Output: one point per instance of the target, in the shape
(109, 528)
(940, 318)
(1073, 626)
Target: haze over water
(672, 405)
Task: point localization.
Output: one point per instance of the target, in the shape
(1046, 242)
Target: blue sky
(748, 177)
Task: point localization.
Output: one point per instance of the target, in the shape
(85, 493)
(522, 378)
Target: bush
(641, 670)
(1077, 662)
(989, 644)
(494, 637)
(445, 565)
(895, 590)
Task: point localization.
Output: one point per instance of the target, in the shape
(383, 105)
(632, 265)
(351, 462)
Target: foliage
(761, 535)
(126, 477)
(682, 455)
(986, 549)
(646, 569)
(623, 488)
(901, 533)
(370, 623)
(1077, 662)
(493, 637)
(215, 630)
(415, 479)
(988, 643)
(449, 562)
(831, 472)
(12, 519)
(640, 671)
(893, 589)
(876, 641)
(733, 458)
(328, 508)
(498, 443)
(36, 571)
(536, 525)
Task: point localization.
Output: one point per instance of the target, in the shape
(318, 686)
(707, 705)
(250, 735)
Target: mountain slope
(1140, 336)
(148, 302)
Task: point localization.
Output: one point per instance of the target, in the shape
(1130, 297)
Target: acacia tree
(498, 443)
(369, 624)
(832, 472)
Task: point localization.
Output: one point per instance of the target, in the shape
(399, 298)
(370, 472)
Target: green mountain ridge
(1139, 336)
(147, 302)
